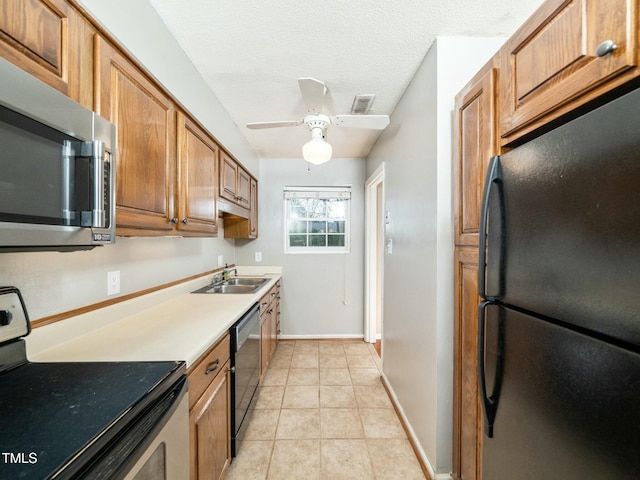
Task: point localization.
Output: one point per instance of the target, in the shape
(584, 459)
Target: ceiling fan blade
(286, 123)
(313, 92)
(374, 122)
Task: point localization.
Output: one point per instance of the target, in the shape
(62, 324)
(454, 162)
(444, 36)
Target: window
(317, 219)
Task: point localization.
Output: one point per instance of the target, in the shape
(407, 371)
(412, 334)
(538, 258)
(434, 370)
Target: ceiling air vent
(362, 104)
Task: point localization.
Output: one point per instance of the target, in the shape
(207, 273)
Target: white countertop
(171, 324)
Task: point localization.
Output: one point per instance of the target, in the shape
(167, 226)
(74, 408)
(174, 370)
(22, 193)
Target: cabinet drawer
(267, 298)
(203, 373)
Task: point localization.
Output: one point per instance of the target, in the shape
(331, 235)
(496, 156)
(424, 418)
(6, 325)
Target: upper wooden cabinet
(475, 134)
(145, 119)
(197, 178)
(43, 38)
(550, 65)
(235, 182)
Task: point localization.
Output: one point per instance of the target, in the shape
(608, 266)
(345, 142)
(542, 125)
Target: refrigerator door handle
(494, 176)
(489, 402)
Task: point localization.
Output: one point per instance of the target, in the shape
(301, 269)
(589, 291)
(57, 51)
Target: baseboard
(345, 336)
(427, 469)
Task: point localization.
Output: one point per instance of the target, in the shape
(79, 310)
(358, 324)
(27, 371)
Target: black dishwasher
(245, 372)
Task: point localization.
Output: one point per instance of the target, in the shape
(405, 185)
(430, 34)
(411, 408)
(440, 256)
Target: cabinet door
(40, 36)
(228, 176)
(197, 179)
(210, 423)
(244, 188)
(549, 66)
(475, 143)
(145, 121)
(467, 433)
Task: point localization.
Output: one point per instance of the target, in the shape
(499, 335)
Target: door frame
(374, 219)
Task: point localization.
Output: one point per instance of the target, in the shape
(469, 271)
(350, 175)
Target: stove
(102, 420)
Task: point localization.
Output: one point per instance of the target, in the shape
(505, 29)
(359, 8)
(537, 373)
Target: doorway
(374, 255)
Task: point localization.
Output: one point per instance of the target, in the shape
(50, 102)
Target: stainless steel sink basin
(235, 285)
(246, 281)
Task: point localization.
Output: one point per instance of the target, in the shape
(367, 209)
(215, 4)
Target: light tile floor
(323, 414)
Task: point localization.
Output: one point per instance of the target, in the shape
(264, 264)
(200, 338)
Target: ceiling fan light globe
(316, 151)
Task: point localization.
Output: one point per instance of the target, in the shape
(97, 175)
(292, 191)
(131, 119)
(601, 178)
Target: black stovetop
(55, 413)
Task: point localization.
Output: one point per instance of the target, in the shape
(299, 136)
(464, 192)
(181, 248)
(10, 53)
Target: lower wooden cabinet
(210, 414)
(467, 413)
(269, 327)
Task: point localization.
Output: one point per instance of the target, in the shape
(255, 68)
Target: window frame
(324, 193)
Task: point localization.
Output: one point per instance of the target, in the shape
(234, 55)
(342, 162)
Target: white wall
(56, 282)
(322, 293)
(418, 275)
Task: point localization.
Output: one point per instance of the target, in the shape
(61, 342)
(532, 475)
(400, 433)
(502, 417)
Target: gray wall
(322, 293)
(57, 282)
(418, 275)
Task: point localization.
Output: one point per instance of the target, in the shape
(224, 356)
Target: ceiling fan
(313, 91)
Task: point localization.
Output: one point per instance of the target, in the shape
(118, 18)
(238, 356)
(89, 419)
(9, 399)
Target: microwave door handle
(99, 193)
(96, 215)
(493, 179)
(67, 182)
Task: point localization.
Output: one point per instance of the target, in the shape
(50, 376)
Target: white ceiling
(251, 53)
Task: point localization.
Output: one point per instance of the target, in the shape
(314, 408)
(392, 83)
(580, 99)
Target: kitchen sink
(235, 285)
(246, 281)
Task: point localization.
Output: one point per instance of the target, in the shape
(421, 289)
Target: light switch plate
(258, 256)
(220, 261)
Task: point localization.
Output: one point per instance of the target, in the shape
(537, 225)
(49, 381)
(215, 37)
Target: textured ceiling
(251, 53)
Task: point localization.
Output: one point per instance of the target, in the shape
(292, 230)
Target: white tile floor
(323, 414)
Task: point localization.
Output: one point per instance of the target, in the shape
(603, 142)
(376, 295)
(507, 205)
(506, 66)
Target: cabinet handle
(185, 221)
(212, 367)
(270, 310)
(232, 369)
(264, 304)
(174, 220)
(605, 48)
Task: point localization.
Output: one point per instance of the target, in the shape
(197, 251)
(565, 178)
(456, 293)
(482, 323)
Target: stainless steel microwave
(57, 168)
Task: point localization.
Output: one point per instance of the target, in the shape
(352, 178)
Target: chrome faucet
(226, 273)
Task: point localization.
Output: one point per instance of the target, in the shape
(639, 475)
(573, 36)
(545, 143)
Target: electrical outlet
(220, 261)
(390, 246)
(113, 282)
(258, 256)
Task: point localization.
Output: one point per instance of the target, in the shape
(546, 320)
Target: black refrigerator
(559, 321)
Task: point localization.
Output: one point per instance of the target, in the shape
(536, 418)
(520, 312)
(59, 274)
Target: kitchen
(411, 335)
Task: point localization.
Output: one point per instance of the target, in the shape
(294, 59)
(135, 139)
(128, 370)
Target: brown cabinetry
(42, 37)
(475, 143)
(467, 409)
(269, 326)
(167, 178)
(235, 182)
(552, 64)
(475, 134)
(240, 227)
(197, 179)
(240, 188)
(210, 414)
(145, 119)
